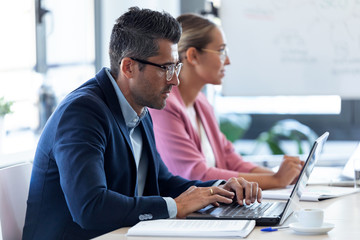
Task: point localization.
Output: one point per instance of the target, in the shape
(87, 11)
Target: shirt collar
(130, 116)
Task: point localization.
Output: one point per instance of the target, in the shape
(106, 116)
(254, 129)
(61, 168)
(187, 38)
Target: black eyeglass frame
(169, 68)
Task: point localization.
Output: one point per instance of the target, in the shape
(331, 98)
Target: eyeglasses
(223, 53)
(170, 68)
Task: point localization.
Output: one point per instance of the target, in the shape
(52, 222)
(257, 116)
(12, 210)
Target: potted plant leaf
(5, 107)
(234, 125)
(287, 129)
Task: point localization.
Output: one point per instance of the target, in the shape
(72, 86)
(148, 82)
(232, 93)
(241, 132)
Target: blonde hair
(195, 32)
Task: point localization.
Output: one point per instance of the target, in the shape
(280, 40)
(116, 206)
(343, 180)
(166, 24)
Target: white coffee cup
(310, 217)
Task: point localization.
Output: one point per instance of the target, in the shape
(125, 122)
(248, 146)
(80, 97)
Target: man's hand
(248, 191)
(196, 198)
(289, 170)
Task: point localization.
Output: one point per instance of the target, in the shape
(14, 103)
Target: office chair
(14, 188)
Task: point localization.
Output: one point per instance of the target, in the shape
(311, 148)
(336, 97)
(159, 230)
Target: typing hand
(196, 198)
(248, 191)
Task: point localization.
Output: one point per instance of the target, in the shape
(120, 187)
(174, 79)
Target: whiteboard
(292, 47)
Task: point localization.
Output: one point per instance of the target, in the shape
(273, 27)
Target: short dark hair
(136, 32)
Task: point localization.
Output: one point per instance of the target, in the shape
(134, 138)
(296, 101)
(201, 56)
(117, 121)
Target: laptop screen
(348, 170)
(305, 174)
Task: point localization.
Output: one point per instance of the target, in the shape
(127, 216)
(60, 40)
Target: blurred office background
(291, 59)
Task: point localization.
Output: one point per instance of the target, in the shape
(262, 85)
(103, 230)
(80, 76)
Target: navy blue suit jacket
(83, 182)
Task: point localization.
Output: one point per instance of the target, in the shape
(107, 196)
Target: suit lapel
(113, 103)
(151, 185)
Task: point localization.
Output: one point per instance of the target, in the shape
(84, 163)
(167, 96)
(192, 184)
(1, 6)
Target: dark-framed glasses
(223, 53)
(170, 69)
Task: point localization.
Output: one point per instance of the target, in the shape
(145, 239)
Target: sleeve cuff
(219, 182)
(171, 206)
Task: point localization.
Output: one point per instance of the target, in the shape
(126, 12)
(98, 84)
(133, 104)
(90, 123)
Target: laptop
(348, 170)
(267, 213)
(335, 176)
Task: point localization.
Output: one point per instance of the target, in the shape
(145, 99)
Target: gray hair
(136, 32)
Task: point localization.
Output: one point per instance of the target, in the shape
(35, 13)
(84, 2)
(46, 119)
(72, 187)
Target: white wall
(112, 9)
(292, 47)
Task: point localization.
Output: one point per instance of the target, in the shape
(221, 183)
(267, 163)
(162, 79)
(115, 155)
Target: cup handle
(296, 214)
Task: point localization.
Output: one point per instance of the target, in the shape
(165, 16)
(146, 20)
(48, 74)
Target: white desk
(344, 212)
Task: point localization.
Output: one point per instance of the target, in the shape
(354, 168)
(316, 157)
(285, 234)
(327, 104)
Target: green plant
(5, 107)
(234, 125)
(286, 129)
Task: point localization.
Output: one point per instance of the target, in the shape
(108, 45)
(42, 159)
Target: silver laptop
(267, 213)
(335, 176)
(348, 170)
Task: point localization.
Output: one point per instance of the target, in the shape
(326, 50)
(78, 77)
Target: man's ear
(192, 56)
(127, 67)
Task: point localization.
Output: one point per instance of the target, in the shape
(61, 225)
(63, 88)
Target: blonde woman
(186, 131)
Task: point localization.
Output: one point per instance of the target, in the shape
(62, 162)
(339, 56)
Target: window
(63, 44)
(19, 83)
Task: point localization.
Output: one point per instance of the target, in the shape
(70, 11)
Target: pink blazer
(179, 143)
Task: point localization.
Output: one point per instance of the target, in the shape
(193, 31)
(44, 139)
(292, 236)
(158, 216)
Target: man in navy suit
(96, 167)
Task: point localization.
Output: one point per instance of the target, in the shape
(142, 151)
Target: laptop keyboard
(253, 211)
(250, 211)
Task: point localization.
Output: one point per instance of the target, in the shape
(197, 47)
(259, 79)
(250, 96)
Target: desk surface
(344, 212)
